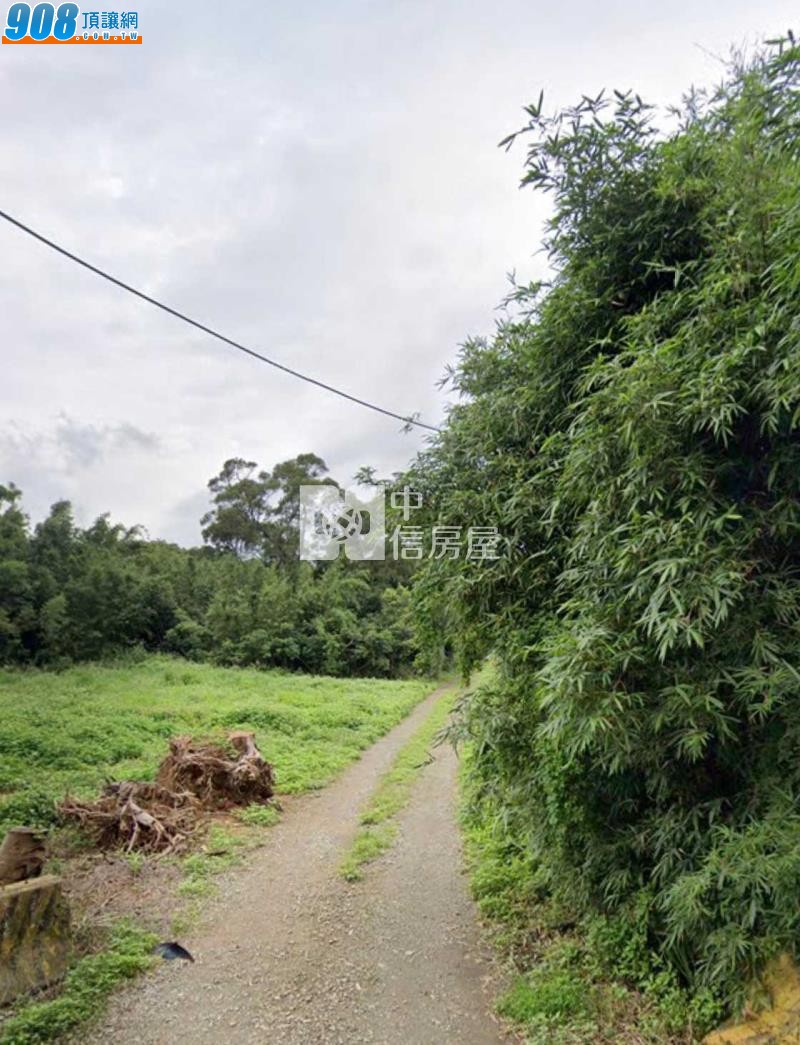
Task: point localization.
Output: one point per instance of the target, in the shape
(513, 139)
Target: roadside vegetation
(69, 731)
(633, 429)
(378, 821)
(573, 981)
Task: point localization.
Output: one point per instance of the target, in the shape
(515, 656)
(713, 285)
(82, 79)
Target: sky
(320, 181)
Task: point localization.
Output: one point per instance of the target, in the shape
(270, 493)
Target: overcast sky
(319, 180)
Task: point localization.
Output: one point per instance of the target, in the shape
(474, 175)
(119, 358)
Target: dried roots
(192, 779)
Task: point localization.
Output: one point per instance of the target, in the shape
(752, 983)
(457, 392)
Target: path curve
(290, 953)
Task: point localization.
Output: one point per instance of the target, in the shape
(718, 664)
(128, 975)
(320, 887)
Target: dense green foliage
(594, 979)
(633, 428)
(69, 594)
(72, 730)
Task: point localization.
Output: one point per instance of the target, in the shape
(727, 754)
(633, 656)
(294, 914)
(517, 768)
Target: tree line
(72, 594)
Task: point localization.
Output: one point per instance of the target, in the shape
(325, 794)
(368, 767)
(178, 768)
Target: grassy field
(68, 731)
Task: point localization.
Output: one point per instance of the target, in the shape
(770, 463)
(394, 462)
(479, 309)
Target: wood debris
(161, 817)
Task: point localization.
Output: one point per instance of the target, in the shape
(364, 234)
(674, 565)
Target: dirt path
(294, 955)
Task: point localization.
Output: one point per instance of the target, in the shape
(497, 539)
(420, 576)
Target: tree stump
(34, 935)
(208, 772)
(22, 855)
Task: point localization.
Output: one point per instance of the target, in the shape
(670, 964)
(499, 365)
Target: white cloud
(324, 186)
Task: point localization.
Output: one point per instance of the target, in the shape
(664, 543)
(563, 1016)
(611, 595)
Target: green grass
(378, 831)
(590, 982)
(256, 815)
(545, 994)
(86, 989)
(68, 731)
(221, 851)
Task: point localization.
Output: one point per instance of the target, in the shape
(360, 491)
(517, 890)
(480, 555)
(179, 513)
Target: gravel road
(291, 954)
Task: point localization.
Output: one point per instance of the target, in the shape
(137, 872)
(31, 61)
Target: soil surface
(290, 953)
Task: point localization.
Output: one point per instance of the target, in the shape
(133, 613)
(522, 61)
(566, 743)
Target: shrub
(633, 429)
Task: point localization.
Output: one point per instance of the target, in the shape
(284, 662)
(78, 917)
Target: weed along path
(293, 953)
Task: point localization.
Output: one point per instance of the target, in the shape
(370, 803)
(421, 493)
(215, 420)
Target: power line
(409, 421)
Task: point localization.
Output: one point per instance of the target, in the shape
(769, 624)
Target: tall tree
(282, 531)
(256, 513)
(240, 495)
(17, 613)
